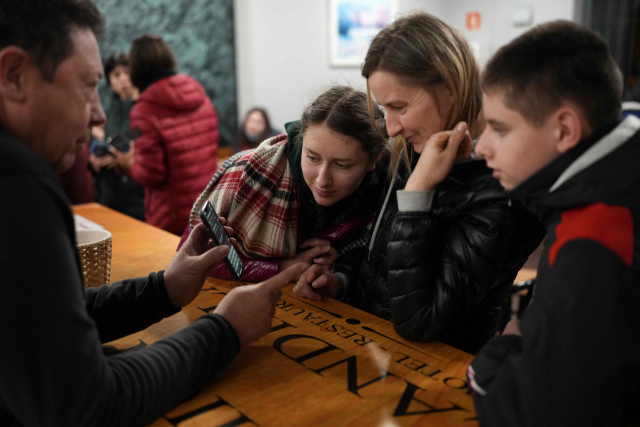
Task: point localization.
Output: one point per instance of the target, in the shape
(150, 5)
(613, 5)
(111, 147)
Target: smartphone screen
(219, 236)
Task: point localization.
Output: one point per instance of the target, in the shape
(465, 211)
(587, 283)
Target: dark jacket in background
(115, 190)
(441, 274)
(52, 368)
(576, 363)
(76, 182)
(118, 116)
(175, 155)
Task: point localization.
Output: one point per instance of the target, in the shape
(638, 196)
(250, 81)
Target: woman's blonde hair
(422, 50)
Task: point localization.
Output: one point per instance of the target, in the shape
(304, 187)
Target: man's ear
(14, 63)
(570, 128)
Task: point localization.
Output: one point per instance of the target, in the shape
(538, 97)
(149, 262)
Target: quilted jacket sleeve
(442, 262)
(150, 166)
(347, 268)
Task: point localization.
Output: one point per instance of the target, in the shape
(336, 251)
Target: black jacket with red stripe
(578, 360)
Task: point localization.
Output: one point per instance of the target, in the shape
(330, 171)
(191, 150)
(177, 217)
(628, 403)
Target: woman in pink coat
(175, 153)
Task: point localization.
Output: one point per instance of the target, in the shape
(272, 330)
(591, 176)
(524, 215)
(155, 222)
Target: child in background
(115, 189)
(255, 129)
(556, 142)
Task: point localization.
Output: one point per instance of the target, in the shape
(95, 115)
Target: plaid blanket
(255, 191)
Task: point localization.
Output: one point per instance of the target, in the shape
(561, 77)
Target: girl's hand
(309, 256)
(326, 260)
(320, 252)
(314, 283)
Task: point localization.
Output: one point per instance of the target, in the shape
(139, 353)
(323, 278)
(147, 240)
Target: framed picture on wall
(352, 25)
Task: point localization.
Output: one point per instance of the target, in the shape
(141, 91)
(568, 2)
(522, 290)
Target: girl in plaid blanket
(307, 195)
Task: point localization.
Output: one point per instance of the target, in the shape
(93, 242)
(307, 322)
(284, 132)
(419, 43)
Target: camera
(119, 141)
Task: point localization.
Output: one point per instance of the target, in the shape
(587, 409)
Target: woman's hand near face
(438, 157)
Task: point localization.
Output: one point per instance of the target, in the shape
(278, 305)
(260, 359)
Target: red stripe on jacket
(611, 226)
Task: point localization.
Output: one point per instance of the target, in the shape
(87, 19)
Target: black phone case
(203, 216)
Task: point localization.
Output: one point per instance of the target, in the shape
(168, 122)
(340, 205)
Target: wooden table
(526, 274)
(323, 364)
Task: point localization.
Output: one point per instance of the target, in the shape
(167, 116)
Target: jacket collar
(153, 77)
(595, 169)
(15, 156)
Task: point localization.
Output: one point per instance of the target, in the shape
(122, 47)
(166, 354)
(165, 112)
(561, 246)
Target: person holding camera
(175, 150)
(114, 187)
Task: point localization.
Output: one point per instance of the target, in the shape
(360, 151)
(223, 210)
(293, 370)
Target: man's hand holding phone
(217, 233)
(249, 309)
(188, 270)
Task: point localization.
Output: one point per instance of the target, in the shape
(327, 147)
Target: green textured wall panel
(199, 31)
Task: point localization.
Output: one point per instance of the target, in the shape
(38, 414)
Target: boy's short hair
(554, 63)
(43, 28)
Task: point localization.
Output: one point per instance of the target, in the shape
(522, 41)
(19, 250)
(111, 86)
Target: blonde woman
(447, 242)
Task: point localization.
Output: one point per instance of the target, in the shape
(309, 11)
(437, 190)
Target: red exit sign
(473, 21)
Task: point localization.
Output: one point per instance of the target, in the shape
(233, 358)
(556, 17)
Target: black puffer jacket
(442, 274)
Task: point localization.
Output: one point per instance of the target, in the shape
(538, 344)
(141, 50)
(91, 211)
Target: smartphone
(219, 236)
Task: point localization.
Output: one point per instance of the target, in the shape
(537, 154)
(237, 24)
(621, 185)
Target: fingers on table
(284, 278)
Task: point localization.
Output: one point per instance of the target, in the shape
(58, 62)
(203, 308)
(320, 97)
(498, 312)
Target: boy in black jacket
(554, 138)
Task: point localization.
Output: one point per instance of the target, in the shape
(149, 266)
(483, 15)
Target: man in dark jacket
(52, 368)
(555, 139)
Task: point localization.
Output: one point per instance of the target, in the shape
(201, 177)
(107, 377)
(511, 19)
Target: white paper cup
(94, 247)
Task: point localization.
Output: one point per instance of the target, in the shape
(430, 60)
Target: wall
(282, 45)
(282, 54)
(200, 33)
(496, 28)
